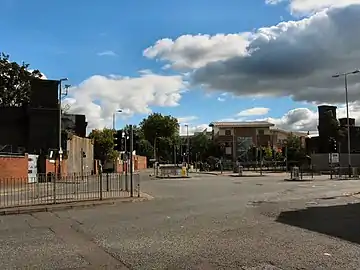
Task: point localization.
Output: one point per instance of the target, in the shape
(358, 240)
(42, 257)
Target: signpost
(334, 158)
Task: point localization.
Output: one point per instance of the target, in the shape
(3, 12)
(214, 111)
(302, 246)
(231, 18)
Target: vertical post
(82, 164)
(131, 161)
(126, 163)
(234, 149)
(286, 157)
(348, 125)
(101, 186)
(113, 126)
(107, 182)
(261, 161)
(174, 154)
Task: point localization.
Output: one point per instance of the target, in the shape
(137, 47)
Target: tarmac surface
(203, 222)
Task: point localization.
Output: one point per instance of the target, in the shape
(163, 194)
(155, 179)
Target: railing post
(54, 186)
(100, 186)
(107, 182)
(138, 185)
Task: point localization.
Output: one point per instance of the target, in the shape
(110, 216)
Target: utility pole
(125, 137)
(131, 161)
(60, 126)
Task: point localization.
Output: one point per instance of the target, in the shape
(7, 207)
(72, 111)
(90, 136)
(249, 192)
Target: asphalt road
(206, 222)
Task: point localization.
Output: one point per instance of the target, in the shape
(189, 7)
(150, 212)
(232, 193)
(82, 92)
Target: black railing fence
(52, 188)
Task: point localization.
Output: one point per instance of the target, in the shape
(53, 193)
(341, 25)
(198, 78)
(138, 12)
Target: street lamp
(60, 114)
(114, 115)
(188, 144)
(347, 111)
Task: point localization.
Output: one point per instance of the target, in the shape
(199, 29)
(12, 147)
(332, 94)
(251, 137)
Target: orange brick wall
(138, 161)
(54, 167)
(14, 166)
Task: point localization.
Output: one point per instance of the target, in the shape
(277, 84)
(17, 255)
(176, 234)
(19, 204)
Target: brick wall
(54, 167)
(14, 166)
(140, 163)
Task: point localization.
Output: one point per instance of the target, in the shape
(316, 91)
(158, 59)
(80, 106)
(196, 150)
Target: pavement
(204, 222)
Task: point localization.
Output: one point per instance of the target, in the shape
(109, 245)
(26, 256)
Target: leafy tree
(200, 146)
(162, 132)
(333, 126)
(15, 82)
(268, 153)
(295, 151)
(103, 144)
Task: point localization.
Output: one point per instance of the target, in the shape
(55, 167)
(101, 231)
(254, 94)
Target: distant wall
(75, 146)
(321, 161)
(14, 167)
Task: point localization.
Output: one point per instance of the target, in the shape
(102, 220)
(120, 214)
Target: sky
(199, 61)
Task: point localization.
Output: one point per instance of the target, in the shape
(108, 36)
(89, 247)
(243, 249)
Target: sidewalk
(26, 209)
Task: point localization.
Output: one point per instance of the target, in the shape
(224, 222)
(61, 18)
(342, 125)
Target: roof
(242, 124)
(296, 133)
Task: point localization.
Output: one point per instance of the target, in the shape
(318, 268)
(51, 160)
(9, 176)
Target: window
(261, 132)
(228, 132)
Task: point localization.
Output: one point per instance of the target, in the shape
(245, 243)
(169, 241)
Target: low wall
(14, 167)
(321, 161)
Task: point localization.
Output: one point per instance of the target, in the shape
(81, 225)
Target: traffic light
(332, 145)
(118, 140)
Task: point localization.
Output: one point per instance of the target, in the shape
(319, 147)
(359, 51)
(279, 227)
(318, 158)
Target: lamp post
(60, 114)
(114, 117)
(187, 144)
(345, 75)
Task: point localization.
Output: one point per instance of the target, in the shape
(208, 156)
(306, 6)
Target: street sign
(152, 159)
(334, 158)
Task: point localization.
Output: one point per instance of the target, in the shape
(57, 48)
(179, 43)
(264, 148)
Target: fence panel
(51, 189)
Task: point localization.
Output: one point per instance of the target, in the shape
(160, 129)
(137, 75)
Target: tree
(200, 147)
(103, 144)
(295, 150)
(162, 132)
(15, 82)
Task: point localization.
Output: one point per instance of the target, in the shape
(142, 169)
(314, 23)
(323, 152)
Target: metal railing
(345, 173)
(52, 189)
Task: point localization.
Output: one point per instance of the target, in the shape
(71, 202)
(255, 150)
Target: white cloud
(193, 128)
(294, 58)
(98, 97)
(254, 111)
(304, 7)
(107, 53)
(186, 119)
(189, 51)
(304, 119)
(221, 99)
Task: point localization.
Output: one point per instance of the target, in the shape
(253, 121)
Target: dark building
(322, 143)
(34, 128)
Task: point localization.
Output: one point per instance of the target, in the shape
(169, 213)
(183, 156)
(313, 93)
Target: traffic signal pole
(131, 161)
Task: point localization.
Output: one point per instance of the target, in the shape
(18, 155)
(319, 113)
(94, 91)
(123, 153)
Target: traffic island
(173, 177)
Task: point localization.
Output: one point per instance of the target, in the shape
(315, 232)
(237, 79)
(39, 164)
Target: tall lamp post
(345, 75)
(187, 144)
(114, 118)
(60, 114)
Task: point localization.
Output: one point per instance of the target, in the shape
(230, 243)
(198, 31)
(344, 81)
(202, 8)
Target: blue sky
(80, 39)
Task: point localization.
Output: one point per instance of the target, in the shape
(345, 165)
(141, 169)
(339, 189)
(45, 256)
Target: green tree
(200, 147)
(268, 153)
(15, 82)
(103, 144)
(295, 150)
(162, 132)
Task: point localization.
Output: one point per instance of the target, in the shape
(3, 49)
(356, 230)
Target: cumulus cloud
(186, 119)
(254, 111)
(98, 97)
(193, 128)
(294, 58)
(304, 7)
(189, 51)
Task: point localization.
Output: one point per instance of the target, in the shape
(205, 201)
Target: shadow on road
(340, 221)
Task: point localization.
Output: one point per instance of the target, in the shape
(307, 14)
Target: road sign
(152, 159)
(334, 158)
